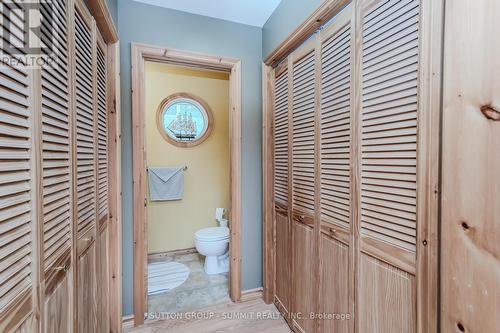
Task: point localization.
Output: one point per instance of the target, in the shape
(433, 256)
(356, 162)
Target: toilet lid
(212, 234)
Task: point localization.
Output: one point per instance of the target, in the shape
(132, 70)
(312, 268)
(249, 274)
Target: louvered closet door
(303, 181)
(336, 176)
(388, 166)
(56, 171)
(17, 205)
(281, 188)
(86, 158)
(102, 134)
(303, 113)
(86, 155)
(102, 259)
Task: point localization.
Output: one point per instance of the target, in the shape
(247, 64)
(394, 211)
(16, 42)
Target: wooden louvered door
(86, 168)
(53, 170)
(388, 164)
(336, 178)
(56, 171)
(282, 157)
(102, 259)
(302, 64)
(364, 116)
(18, 201)
(282, 243)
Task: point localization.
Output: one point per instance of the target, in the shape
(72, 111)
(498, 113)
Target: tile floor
(200, 289)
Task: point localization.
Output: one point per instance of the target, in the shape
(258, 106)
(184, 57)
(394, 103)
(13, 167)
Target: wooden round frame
(198, 100)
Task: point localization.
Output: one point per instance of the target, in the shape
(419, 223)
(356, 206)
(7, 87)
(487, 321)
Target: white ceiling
(251, 12)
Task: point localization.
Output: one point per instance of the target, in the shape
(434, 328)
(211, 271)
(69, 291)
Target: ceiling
(251, 12)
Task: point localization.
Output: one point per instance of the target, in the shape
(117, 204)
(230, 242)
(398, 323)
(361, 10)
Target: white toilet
(213, 243)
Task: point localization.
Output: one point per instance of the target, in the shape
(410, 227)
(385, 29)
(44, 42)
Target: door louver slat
(303, 133)
(102, 135)
(85, 131)
(389, 124)
(335, 128)
(281, 140)
(16, 133)
(56, 147)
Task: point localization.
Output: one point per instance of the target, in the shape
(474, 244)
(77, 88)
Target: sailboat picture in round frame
(184, 120)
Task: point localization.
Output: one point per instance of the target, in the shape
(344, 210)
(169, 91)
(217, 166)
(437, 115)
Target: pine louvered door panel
(388, 166)
(281, 188)
(102, 189)
(56, 172)
(303, 63)
(303, 140)
(86, 155)
(102, 136)
(17, 204)
(86, 158)
(336, 177)
(281, 126)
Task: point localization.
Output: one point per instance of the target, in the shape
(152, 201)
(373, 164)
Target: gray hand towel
(166, 183)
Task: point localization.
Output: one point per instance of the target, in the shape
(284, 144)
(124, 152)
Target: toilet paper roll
(219, 213)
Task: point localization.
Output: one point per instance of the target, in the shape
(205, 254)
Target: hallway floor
(199, 290)
(246, 317)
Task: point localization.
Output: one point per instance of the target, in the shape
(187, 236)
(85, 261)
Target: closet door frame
(140, 54)
(428, 182)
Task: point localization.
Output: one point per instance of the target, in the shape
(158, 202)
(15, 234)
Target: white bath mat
(165, 276)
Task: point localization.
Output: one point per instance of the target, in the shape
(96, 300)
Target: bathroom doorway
(186, 120)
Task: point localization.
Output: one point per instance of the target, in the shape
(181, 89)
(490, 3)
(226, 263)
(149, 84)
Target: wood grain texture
(303, 142)
(26, 326)
(336, 109)
(57, 314)
(140, 185)
(55, 139)
(470, 264)
(384, 204)
(251, 324)
(282, 277)
(389, 123)
(102, 132)
(104, 21)
(268, 257)
(303, 281)
(115, 193)
(280, 139)
(235, 181)
(428, 180)
(45, 158)
(334, 285)
(87, 292)
(102, 288)
(19, 203)
(386, 298)
(84, 124)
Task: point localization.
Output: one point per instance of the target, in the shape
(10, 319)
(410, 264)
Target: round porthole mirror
(184, 120)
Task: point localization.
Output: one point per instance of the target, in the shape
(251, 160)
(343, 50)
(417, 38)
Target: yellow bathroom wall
(172, 224)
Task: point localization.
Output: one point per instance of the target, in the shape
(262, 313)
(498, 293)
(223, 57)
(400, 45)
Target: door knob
(63, 268)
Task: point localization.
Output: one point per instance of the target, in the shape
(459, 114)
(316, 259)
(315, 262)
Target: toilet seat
(212, 234)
